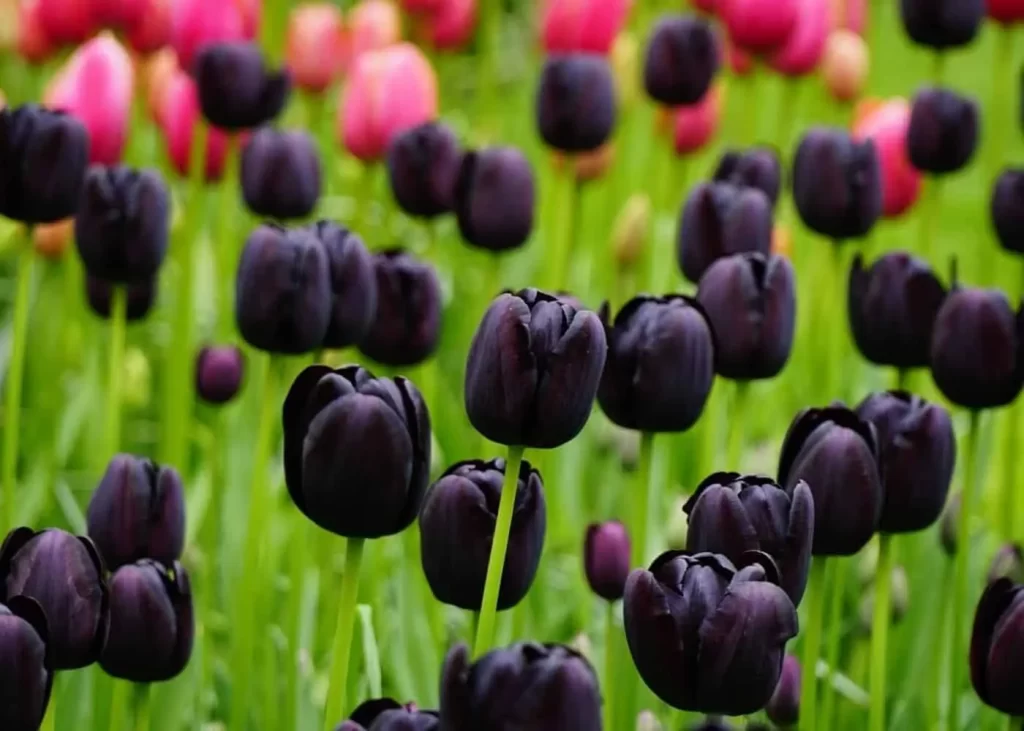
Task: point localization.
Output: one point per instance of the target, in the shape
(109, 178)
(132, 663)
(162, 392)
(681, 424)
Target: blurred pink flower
(195, 23)
(316, 48)
(696, 124)
(147, 24)
(33, 44)
(451, 24)
(887, 125)
(582, 25)
(1006, 11)
(68, 21)
(849, 14)
(759, 26)
(805, 46)
(179, 113)
(373, 24)
(740, 62)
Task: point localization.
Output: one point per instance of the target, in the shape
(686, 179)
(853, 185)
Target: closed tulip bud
(122, 225)
(356, 450)
(139, 296)
(660, 366)
(316, 46)
(423, 167)
(196, 24)
(64, 574)
(682, 59)
(802, 50)
(373, 25)
(280, 174)
(451, 26)
(837, 183)
(591, 26)
(750, 301)
(948, 527)
(68, 22)
(888, 127)
(384, 714)
(630, 230)
(837, 453)
(148, 25)
(783, 708)
(151, 622)
(756, 167)
(407, 324)
(283, 291)
(236, 90)
(606, 559)
(25, 673)
(942, 24)
(178, 117)
(494, 198)
(457, 526)
(760, 26)
(976, 349)
(708, 636)
(1007, 209)
(45, 157)
(718, 220)
(696, 124)
(33, 43)
(845, 65)
(219, 371)
(525, 686)
(1007, 563)
(388, 92)
(997, 647)
(50, 240)
(943, 132)
(1005, 11)
(892, 309)
(137, 511)
(575, 102)
(533, 369)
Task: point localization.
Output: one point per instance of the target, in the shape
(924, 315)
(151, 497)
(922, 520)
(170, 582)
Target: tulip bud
(942, 24)
(630, 230)
(1008, 563)
(899, 601)
(457, 524)
(606, 559)
(718, 220)
(757, 167)
(575, 102)
(1007, 209)
(696, 124)
(851, 15)
(888, 128)
(407, 324)
(384, 714)
(33, 43)
(316, 46)
(68, 22)
(374, 25)
(943, 131)
(1005, 11)
(783, 708)
(178, 117)
(50, 240)
(761, 26)
(219, 372)
(236, 91)
(451, 26)
(845, 65)
(682, 59)
(997, 644)
(591, 26)
(148, 24)
(423, 167)
(802, 50)
(25, 673)
(280, 174)
(494, 198)
(140, 297)
(949, 525)
(196, 24)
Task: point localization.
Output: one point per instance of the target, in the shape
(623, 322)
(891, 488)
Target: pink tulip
(147, 24)
(1006, 11)
(759, 26)
(421, 6)
(373, 24)
(195, 23)
(740, 62)
(388, 92)
(452, 24)
(696, 124)
(582, 25)
(96, 86)
(887, 126)
(316, 46)
(802, 51)
(179, 114)
(33, 44)
(850, 14)
(68, 21)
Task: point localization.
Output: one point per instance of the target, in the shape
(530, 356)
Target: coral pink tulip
(582, 25)
(68, 21)
(759, 26)
(1006, 11)
(846, 64)
(155, 73)
(33, 44)
(451, 25)
(696, 124)
(802, 51)
(96, 86)
(316, 46)
(849, 14)
(147, 24)
(179, 114)
(388, 92)
(195, 23)
(373, 24)
(887, 126)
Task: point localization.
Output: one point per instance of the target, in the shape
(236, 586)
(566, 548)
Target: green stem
(609, 666)
(812, 643)
(838, 573)
(734, 449)
(880, 633)
(224, 247)
(118, 307)
(926, 245)
(642, 499)
(751, 107)
(496, 563)
(142, 696)
(487, 78)
(563, 227)
(342, 648)
(1010, 456)
(938, 67)
(50, 719)
(15, 377)
(119, 704)
(839, 337)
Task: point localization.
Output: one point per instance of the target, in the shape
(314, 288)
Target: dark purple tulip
(943, 132)
(122, 224)
(353, 284)
(784, 707)
(606, 559)
(423, 166)
(356, 450)
(1007, 208)
(976, 349)
(43, 158)
(140, 297)
(720, 219)
(236, 91)
(837, 183)
(660, 366)
(137, 511)
(731, 515)
(1007, 563)
(406, 326)
(25, 675)
(575, 102)
(892, 308)
(280, 174)
(151, 622)
(64, 574)
(942, 24)
(219, 370)
(682, 60)
(384, 714)
(525, 686)
(918, 451)
(837, 454)
(457, 523)
(750, 300)
(494, 198)
(533, 369)
(706, 636)
(756, 167)
(997, 647)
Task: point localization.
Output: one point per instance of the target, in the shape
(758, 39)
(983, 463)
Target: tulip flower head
(942, 24)
(845, 65)
(1007, 209)
(757, 167)
(997, 647)
(761, 26)
(384, 714)
(681, 61)
(1005, 11)
(373, 25)
(236, 90)
(219, 371)
(198, 23)
(575, 102)
(590, 26)
(494, 198)
(943, 133)
(888, 127)
(407, 324)
(695, 125)
(147, 24)
(68, 22)
(352, 283)
(423, 167)
(606, 552)
(32, 42)
(178, 117)
(25, 675)
(280, 174)
(451, 24)
(317, 46)
(804, 47)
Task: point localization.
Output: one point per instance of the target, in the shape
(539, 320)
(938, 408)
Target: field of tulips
(511, 365)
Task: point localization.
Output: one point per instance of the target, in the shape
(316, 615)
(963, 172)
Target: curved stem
(812, 644)
(342, 649)
(642, 499)
(609, 666)
(880, 633)
(15, 376)
(118, 306)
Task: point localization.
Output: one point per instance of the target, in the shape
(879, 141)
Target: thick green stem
(838, 572)
(880, 633)
(15, 377)
(926, 245)
(642, 499)
(839, 329)
(496, 563)
(141, 711)
(342, 649)
(118, 307)
(734, 449)
(563, 226)
(225, 249)
(812, 644)
(608, 684)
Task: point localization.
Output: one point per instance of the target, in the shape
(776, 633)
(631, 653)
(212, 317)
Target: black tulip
(406, 326)
(660, 366)
(151, 622)
(280, 174)
(942, 24)
(756, 167)
(219, 370)
(708, 636)
(730, 515)
(137, 511)
(121, 227)
(525, 686)
(25, 675)
(917, 455)
(892, 308)
(750, 300)
(236, 90)
(457, 524)
(384, 714)
(43, 158)
(837, 183)
(1007, 208)
(718, 220)
(606, 551)
(494, 198)
(997, 647)
(353, 284)
(976, 349)
(783, 708)
(575, 102)
(283, 290)
(65, 575)
(533, 369)
(356, 450)
(140, 297)
(423, 167)
(943, 132)
(682, 59)
(837, 454)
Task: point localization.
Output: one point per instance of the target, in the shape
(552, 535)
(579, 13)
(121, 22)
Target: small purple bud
(606, 559)
(219, 371)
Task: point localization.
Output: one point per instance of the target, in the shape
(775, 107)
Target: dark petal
(495, 198)
(795, 564)
(455, 699)
(353, 286)
(997, 599)
(1006, 660)
(295, 424)
(368, 711)
(24, 679)
(719, 524)
(280, 174)
(575, 102)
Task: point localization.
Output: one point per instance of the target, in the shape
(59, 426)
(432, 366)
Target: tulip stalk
(565, 228)
(610, 634)
(118, 307)
(224, 248)
(642, 501)
(812, 644)
(837, 575)
(880, 633)
(15, 376)
(342, 648)
(734, 449)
